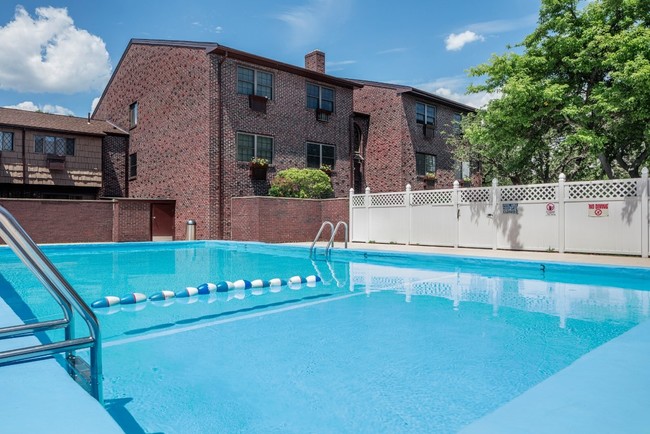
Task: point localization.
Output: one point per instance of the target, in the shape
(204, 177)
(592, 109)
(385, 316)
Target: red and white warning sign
(550, 208)
(598, 210)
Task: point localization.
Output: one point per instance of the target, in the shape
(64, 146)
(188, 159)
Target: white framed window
(253, 82)
(6, 141)
(53, 145)
(251, 146)
(319, 154)
(456, 124)
(425, 114)
(320, 97)
(133, 115)
(424, 163)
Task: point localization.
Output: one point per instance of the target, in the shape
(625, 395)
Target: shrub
(302, 183)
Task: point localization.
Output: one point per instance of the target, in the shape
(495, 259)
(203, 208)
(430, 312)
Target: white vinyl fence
(589, 217)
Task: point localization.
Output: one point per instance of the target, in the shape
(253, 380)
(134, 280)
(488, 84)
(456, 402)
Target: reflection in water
(561, 299)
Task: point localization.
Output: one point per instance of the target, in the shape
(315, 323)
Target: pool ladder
(70, 303)
(330, 243)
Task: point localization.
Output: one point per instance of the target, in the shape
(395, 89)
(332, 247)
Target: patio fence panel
(609, 217)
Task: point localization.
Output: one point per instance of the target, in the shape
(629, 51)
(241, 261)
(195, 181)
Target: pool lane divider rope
(203, 289)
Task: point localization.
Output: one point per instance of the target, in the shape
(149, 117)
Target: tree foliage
(302, 183)
(575, 98)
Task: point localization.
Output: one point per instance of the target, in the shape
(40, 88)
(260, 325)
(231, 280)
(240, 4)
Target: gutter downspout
(25, 177)
(220, 226)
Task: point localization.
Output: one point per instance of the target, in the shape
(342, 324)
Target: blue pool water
(386, 343)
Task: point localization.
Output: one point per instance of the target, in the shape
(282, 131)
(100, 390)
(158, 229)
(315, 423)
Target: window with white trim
(425, 114)
(320, 97)
(251, 146)
(319, 155)
(254, 82)
(53, 145)
(424, 163)
(6, 141)
(133, 115)
(456, 124)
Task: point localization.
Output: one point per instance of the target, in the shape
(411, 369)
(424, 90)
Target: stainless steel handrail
(331, 242)
(67, 298)
(320, 231)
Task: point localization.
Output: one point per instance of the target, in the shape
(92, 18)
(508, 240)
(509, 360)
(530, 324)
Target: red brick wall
(114, 154)
(259, 218)
(288, 121)
(63, 221)
(394, 137)
(172, 138)
(132, 220)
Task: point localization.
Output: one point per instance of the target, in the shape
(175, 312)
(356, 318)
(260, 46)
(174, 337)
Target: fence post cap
(644, 171)
(367, 190)
(456, 184)
(191, 222)
(408, 187)
(495, 182)
(562, 177)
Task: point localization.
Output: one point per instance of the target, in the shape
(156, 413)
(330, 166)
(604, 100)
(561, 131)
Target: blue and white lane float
(108, 301)
(188, 294)
(133, 298)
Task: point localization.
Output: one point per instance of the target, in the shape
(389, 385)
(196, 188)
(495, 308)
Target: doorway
(162, 221)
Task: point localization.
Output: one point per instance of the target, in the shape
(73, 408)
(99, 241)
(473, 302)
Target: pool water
(386, 343)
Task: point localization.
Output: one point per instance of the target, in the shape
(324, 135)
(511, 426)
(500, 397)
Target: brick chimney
(315, 61)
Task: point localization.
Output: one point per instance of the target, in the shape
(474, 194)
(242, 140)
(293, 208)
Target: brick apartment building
(55, 157)
(404, 138)
(197, 113)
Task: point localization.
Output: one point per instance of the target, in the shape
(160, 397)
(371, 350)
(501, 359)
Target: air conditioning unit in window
(257, 103)
(55, 162)
(323, 115)
(428, 129)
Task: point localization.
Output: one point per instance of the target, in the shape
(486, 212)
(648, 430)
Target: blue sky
(57, 56)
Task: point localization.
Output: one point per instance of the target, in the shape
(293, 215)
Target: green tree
(302, 183)
(575, 98)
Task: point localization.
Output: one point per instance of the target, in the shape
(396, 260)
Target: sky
(57, 56)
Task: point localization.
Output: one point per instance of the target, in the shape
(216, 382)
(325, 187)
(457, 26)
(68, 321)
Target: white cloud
(502, 26)
(49, 54)
(94, 104)
(453, 88)
(339, 65)
(393, 50)
(47, 108)
(455, 42)
(307, 23)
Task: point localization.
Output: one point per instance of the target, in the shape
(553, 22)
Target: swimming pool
(386, 343)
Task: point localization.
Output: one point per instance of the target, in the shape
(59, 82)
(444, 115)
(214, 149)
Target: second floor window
(133, 115)
(425, 114)
(320, 97)
(6, 141)
(133, 165)
(319, 155)
(53, 145)
(456, 124)
(424, 163)
(254, 82)
(251, 146)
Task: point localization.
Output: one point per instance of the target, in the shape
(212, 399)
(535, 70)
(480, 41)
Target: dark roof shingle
(50, 122)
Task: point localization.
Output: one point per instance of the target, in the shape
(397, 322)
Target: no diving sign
(598, 210)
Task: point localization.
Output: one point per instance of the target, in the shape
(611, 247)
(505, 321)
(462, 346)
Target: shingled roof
(49, 122)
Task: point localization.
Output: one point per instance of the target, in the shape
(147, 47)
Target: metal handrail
(67, 298)
(320, 231)
(331, 242)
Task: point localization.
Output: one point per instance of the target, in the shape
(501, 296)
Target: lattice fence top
(617, 189)
(469, 195)
(431, 197)
(387, 199)
(529, 193)
(358, 200)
